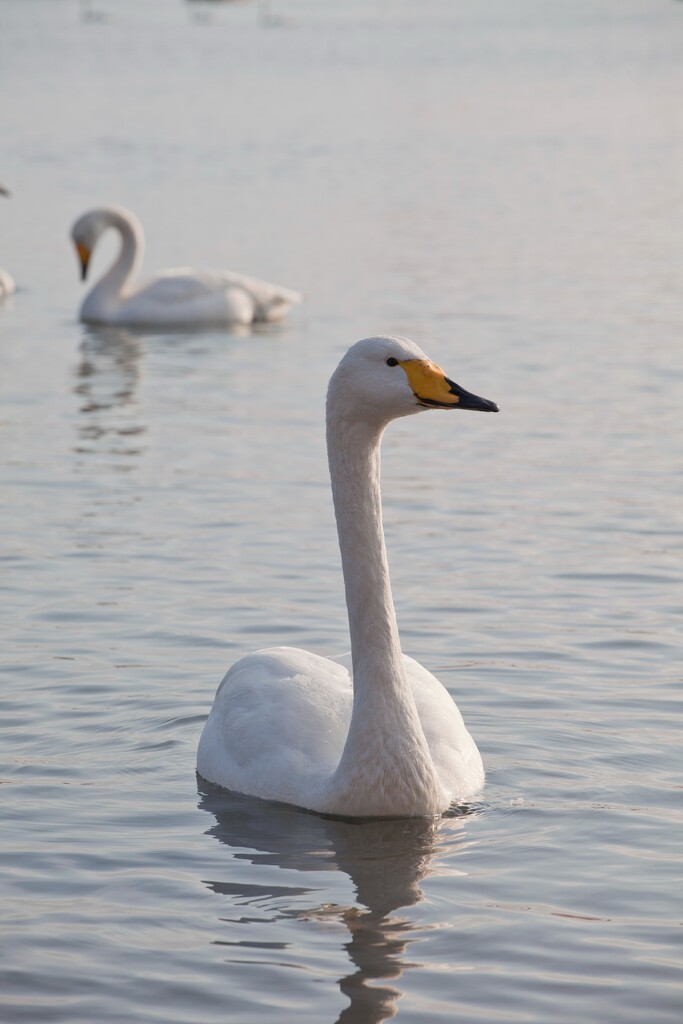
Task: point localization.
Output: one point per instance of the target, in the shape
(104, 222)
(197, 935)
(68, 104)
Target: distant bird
(7, 286)
(373, 733)
(182, 297)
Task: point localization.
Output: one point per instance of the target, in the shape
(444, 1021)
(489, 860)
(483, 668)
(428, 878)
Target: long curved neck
(354, 459)
(385, 747)
(112, 285)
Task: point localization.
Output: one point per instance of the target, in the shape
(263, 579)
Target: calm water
(501, 182)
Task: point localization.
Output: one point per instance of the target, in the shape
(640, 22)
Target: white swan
(7, 286)
(372, 733)
(181, 297)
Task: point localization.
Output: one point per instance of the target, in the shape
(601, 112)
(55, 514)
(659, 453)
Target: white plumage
(7, 286)
(372, 733)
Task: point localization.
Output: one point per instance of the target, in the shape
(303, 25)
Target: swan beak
(434, 390)
(84, 256)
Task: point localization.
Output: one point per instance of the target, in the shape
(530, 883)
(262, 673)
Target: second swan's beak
(84, 256)
(434, 390)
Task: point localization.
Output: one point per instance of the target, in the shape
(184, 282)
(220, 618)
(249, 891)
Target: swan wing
(263, 291)
(181, 297)
(272, 300)
(455, 755)
(182, 285)
(277, 726)
(183, 294)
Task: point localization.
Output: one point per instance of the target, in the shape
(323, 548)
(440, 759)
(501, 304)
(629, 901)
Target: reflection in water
(90, 14)
(385, 861)
(108, 376)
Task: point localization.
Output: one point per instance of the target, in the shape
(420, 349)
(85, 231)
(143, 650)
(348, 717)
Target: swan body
(7, 286)
(182, 297)
(371, 733)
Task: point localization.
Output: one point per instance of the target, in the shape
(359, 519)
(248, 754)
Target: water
(502, 183)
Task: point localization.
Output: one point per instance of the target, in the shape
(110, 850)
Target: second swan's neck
(111, 287)
(385, 749)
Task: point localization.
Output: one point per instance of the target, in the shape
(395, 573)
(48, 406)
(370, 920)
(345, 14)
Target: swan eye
(391, 361)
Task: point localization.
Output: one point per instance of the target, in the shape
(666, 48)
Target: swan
(7, 286)
(371, 733)
(181, 297)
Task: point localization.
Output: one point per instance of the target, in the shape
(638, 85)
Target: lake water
(503, 183)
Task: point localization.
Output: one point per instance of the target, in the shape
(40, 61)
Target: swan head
(384, 378)
(85, 234)
(88, 228)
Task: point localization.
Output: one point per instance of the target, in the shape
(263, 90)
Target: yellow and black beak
(84, 256)
(433, 389)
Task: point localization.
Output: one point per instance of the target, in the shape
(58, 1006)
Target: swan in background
(373, 733)
(7, 286)
(181, 297)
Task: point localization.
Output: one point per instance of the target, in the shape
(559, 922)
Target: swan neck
(386, 766)
(112, 285)
(354, 459)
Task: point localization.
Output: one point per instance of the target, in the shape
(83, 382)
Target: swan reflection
(107, 382)
(385, 860)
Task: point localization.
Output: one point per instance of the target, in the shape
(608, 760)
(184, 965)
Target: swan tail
(278, 305)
